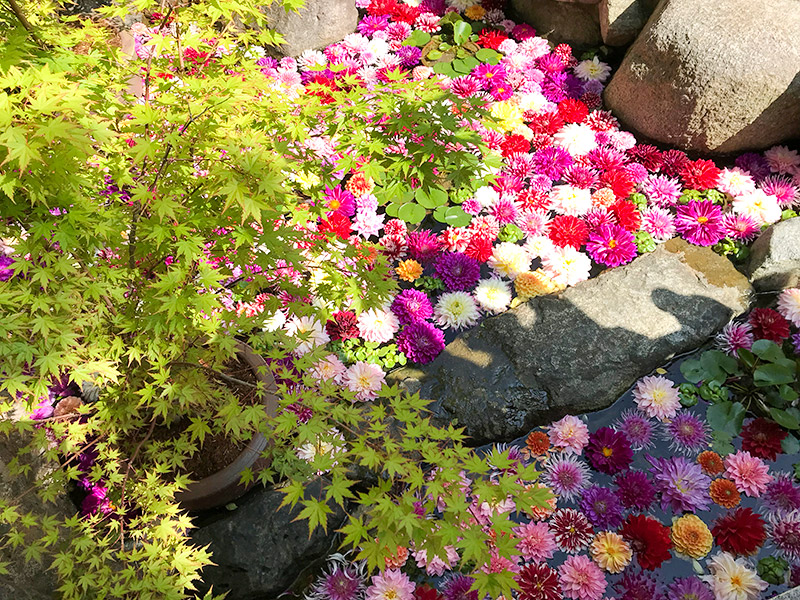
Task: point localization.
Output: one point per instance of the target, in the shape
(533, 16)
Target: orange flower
(409, 270)
(691, 536)
(359, 185)
(534, 283)
(538, 443)
(603, 197)
(724, 493)
(398, 559)
(475, 12)
(711, 462)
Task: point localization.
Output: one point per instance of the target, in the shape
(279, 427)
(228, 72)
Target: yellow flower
(475, 12)
(409, 270)
(508, 115)
(611, 552)
(691, 536)
(534, 283)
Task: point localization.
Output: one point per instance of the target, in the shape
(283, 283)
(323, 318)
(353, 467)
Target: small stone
(68, 405)
(775, 257)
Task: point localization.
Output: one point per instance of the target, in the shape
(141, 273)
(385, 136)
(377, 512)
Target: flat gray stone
(713, 77)
(318, 23)
(622, 20)
(792, 594)
(580, 350)
(577, 24)
(258, 550)
(775, 257)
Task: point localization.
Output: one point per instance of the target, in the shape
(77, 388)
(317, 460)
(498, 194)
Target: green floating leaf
(456, 217)
(461, 32)
(411, 213)
(726, 417)
(391, 209)
(767, 350)
(774, 374)
(417, 38)
(444, 68)
(718, 365)
(790, 445)
(783, 418)
(693, 371)
(434, 55)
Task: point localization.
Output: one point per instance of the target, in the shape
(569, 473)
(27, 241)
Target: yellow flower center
(702, 219)
(607, 451)
(334, 205)
(612, 243)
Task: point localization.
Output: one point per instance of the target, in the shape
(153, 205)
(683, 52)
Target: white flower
(539, 246)
(456, 310)
(789, 305)
(592, 70)
(309, 334)
(567, 266)
(736, 182)
(576, 138)
(329, 368)
(309, 451)
(275, 321)
(732, 579)
(532, 101)
(460, 5)
(763, 207)
(377, 325)
(782, 160)
(312, 58)
(493, 294)
(657, 397)
(570, 200)
(509, 260)
(364, 379)
(486, 196)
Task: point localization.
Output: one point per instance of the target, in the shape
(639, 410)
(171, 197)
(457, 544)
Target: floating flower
(657, 397)
(457, 271)
(689, 588)
(569, 434)
(534, 283)
(761, 207)
(609, 451)
(691, 537)
(662, 190)
(342, 325)
(635, 490)
(494, 295)
(749, 473)
(611, 245)
(571, 529)
(567, 266)
(683, 485)
(768, 324)
(456, 310)
(699, 222)
(637, 585)
(789, 305)
(649, 540)
(570, 200)
(724, 493)
(592, 70)
(659, 223)
(782, 496)
(509, 260)
(409, 270)
(566, 475)
(636, 427)
(342, 580)
(762, 438)
(687, 433)
(733, 337)
(308, 332)
(611, 552)
(581, 579)
(537, 443)
(732, 579)
(567, 230)
(411, 306)
(711, 462)
(742, 228)
(377, 325)
(364, 379)
(576, 138)
(423, 245)
(785, 534)
(740, 532)
(602, 507)
(421, 342)
(538, 582)
(536, 541)
(391, 585)
(458, 588)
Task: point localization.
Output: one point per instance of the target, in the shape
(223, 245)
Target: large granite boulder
(259, 550)
(622, 20)
(317, 24)
(713, 77)
(579, 351)
(574, 23)
(775, 257)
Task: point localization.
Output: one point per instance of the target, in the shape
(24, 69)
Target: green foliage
(353, 350)
(644, 242)
(773, 569)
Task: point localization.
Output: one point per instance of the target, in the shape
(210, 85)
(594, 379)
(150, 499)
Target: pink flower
(436, 566)
(391, 585)
(570, 434)
(536, 541)
(364, 379)
(749, 473)
(581, 579)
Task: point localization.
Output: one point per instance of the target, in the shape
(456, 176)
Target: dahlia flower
(570, 200)
(635, 490)
(391, 585)
(377, 325)
(733, 337)
(762, 438)
(662, 190)
(762, 207)
(571, 529)
(592, 70)
(789, 305)
(700, 222)
(768, 324)
(567, 266)
(782, 496)
(536, 542)
(602, 507)
(569, 434)
(689, 588)
(687, 434)
(683, 485)
(636, 427)
(748, 472)
(691, 537)
(576, 138)
(537, 582)
(611, 552)
(740, 531)
(308, 332)
(659, 223)
(341, 580)
(735, 182)
(509, 260)
(785, 535)
(649, 540)
(456, 310)
(410, 306)
(581, 579)
(724, 493)
(732, 579)
(566, 476)
(421, 342)
(743, 228)
(657, 397)
(364, 379)
(494, 295)
(782, 160)
(611, 245)
(609, 451)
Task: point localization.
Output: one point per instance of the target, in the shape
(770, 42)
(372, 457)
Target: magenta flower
(421, 342)
(411, 306)
(609, 451)
(611, 245)
(458, 271)
(700, 223)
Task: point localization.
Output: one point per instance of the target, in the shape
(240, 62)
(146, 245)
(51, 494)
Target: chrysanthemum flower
(689, 588)
(710, 462)
(740, 532)
(611, 245)
(567, 266)
(569, 434)
(735, 182)
(662, 190)
(571, 529)
(723, 492)
(568, 230)
(581, 579)
(494, 295)
(733, 337)
(592, 70)
(377, 325)
(636, 427)
(748, 472)
(769, 324)
(732, 579)
(364, 379)
(456, 310)
(458, 588)
(458, 271)
(423, 245)
(391, 585)
(700, 222)
(635, 490)
(786, 192)
(538, 582)
(649, 540)
(609, 451)
(535, 541)
(534, 283)
(760, 206)
(657, 397)
(576, 138)
(789, 305)
(611, 552)
(602, 507)
(781, 159)
(687, 433)
(537, 443)
(742, 228)
(570, 200)
(341, 580)
(682, 484)
(421, 342)
(409, 270)
(411, 306)
(691, 537)
(308, 332)
(782, 496)
(659, 223)
(566, 476)
(785, 534)
(509, 260)
(700, 174)
(762, 438)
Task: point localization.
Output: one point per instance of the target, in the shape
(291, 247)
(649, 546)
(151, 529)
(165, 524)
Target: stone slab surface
(775, 257)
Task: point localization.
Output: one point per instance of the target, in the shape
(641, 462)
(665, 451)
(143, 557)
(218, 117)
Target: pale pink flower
(789, 305)
(377, 325)
(329, 368)
(749, 473)
(364, 379)
(581, 579)
(569, 434)
(536, 541)
(657, 397)
(308, 332)
(436, 566)
(736, 182)
(391, 585)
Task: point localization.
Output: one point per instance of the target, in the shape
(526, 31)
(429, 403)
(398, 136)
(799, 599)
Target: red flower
(538, 582)
(762, 438)
(548, 122)
(602, 120)
(479, 248)
(426, 592)
(573, 111)
(769, 324)
(533, 199)
(514, 144)
(626, 215)
(592, 100)
(672, 162)
(648, 156)
(741, 532)
(342, 325)
(337, 224)
(382, 7)
(407, 13)
(566, 230)
(700, 174)
(564, 52)
(620, 182)
(491, 38)
(649, 540)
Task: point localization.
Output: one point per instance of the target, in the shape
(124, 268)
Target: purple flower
(796, 343)
(782, 496)
(609, 451)
(423, 245)
(689, 588)
(754, 163)
(554, 86)
(409, 56)
(458, 271)
(411, 306)
(611, 245)
(733, 337)
(342, 580)
(602, 507)
(6, 272)
(96, 500)
(566, 475)
(782, 188)
(636, 427)
(372, 23)
(458, 588)
(700, 222)
(635, 490)
(551, 161)
(421, 342)
(637, 585)
(687, 434)
(683, 485)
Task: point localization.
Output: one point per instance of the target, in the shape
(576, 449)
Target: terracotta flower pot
(225, 486)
